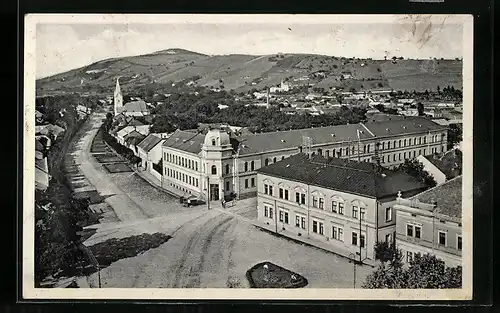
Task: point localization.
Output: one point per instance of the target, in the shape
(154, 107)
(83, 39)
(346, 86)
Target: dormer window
(213, 142)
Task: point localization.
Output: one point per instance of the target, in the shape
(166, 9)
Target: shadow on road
(112, 250)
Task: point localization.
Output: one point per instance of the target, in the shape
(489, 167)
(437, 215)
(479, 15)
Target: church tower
(118, 97)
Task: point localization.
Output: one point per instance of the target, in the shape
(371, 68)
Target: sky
(75, 43)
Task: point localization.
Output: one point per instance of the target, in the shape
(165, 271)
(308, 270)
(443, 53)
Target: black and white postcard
(247, 157)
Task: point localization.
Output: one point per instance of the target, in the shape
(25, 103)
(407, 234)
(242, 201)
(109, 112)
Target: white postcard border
(28, 290)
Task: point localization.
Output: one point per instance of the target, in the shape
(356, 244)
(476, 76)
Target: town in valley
(178, 169)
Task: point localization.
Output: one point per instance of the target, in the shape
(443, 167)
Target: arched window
(320, 152)
(213, 142)
(414, 141)
(266, 162)
(388, 145)
(399, 142)
(227, 168)
(214, 170)
(246, 166)
(404, 142)
(394, 145)
(425, 139)
(327, 153)
(420, 140)
(274, 160)
(252, 165)
(282, 158)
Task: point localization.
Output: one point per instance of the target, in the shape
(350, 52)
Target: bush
(424, 272)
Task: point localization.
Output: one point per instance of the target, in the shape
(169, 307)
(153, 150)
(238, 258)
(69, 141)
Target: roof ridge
(341, 166)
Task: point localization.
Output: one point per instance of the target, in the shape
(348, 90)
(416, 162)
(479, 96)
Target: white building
(345, 207)
(188, 156)
(431, 222)
(149, 150)
(282, 88)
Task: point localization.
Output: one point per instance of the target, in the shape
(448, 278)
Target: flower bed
(269, 275)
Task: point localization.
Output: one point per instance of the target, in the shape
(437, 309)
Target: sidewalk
(308, 241)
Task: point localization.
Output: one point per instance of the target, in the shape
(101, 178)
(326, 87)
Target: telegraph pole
(208, 193)
(276, 216)
(352, 256)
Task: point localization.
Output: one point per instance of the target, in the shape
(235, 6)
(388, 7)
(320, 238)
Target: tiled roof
(449, 163)
(257, 143)
(343, 175)
(135, 122)
(135, 139)
(149, 142)
(185, 141)
(134, 134)
(407, 125)
(448, 197)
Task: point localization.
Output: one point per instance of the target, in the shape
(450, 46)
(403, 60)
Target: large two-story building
(431, 222)
(344, 204)
(226, 162)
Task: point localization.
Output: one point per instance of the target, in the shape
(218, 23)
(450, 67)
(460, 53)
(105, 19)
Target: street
(209, 248)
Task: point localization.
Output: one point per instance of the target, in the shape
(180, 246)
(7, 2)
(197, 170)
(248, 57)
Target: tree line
(187, 110)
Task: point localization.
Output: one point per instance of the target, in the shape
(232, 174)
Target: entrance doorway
(214, 191)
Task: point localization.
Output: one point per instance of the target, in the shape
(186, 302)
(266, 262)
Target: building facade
(389, 142)
(344, 206)
(431, 222)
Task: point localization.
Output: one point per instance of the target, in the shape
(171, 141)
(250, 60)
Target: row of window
(318, 227)
(415, 231)
(182, 177)
(319, 203)
(383, 146)
(404, 155)
(180, 188)
(181, 161)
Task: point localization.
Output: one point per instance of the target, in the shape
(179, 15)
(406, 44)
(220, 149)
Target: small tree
(425, 271)
(384, 251)
(454, 135)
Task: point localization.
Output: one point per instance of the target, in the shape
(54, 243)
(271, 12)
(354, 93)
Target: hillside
(245, 72)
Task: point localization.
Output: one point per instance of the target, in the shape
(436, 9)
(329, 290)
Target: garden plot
(108, 158)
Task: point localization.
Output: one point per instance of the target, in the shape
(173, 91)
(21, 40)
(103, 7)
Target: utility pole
(276, 216)
(208, 193)
(359, 146)
(353, 260)
(360, 234)
(93, 260)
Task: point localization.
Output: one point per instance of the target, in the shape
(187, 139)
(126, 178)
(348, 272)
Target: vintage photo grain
(247, 157)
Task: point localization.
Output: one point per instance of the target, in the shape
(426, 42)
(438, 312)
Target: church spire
(118, 96)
